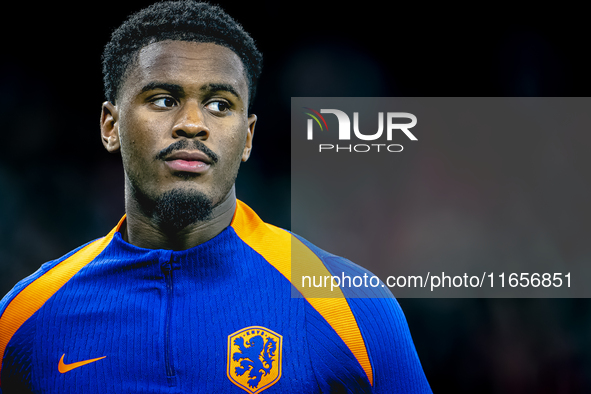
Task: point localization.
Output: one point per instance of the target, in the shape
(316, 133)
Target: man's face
(181, 120)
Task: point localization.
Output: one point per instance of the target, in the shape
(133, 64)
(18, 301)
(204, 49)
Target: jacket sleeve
(394, 359)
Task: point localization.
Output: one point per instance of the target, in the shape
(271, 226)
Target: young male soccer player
(191, 291)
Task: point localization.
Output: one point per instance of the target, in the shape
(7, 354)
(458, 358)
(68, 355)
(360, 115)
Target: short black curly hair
(182, 21)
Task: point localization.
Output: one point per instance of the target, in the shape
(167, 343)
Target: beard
(176, 209)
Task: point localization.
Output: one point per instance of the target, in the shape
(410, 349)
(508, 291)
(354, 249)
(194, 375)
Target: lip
(188, 156)
(188, 161)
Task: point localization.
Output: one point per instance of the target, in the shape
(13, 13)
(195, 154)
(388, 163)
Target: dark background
(59, 188)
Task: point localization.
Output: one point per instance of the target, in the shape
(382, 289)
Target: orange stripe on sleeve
(32, 297)
(278, 247)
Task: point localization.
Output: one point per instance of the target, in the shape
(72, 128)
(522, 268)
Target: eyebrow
(171, 87)
(219, 87)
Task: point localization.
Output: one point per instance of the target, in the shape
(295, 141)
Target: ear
(110, 127)
(252, 119)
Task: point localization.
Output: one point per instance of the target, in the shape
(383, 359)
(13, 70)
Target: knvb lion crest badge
(254, 358)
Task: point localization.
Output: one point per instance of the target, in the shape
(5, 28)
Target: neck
(143, 231)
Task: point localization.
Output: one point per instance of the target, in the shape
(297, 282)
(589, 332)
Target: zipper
(167, 271)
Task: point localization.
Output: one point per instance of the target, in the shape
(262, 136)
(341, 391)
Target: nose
(190, 122)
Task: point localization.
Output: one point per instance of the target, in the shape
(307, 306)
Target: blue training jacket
(221, 317)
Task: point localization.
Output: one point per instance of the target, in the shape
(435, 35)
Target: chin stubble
(176, 209)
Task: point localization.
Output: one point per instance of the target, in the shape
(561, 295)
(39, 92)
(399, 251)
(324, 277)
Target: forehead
(189, 64)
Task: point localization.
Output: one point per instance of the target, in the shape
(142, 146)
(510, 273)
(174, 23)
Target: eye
(164, 102)
(218, 106)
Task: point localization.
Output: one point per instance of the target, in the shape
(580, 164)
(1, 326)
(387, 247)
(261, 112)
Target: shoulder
(54, 274)
(385, 350)
(370, 302)
(44, 269)
(353, 280)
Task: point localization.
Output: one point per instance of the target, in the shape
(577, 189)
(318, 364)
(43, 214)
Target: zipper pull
(166, 262)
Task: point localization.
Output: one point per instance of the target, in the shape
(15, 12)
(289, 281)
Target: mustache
(187, 145)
